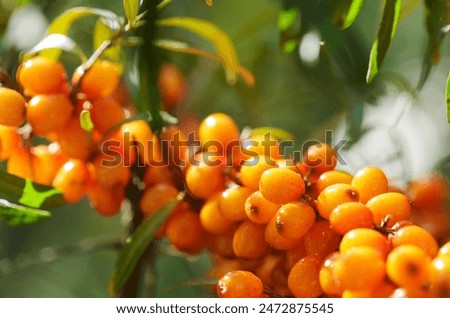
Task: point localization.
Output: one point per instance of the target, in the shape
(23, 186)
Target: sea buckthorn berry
(434, 222)
(114, 145)
(20, 163)
(444, 250)
(261, 145)
(281, 186)
(156, 197)
(369, 181)
(46, 161)
(239, 284)
(394, 204)
(350, 215)
(232, 203)
(328, 280)
(9, 140)
(219, 131)
(39, 75)
(203, 181)
(172, 85)
(321, 239)
(440, 277)
(105, 113)
(106, 201)
(253, 168)
(415, 235)
(360, 268)
(259, 209)
(293, 255)
(74, 141)
(293, 220)
(12, 108)
(154, 175)
(101, 80)
(71, 179)
(267, 267)
(276, 240)
(408, 266)
(332, 177)
(321, 157)
(137, 135)
(303, 280)
(366, 237)
(184, 230)
(109, 171)
(428, 192)
(334, 195)
(222, 244)
(212, 220)
(48, 113)
(176, 145)
(249, 241)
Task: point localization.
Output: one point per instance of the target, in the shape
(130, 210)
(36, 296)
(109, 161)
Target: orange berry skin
(218, 128)
(440, 277)
(105, 113)
(138, 132)
(444, 250)
(350, 215)
(415, 235)
(46, 161)
(293, 220)
(110, 173)
(276, 240)
(366, 237)
(360, 268)
(321, 239)
(369, 182)
(428, 192)
(281, 186)
(101, 80)
(9, 140)
(249, 241)
(303, 279)
(253, 168)
(212, 220)
(156, 197)
(334, 195)
(260, 210)
(320, 157)
(261, 145)
(232, 203)
(408, 266)
(20, 163)
(73, 140)
(222, 244)
(184, 230)
(48, 113)
(293, 255)
(106, 201)
(154, 175)
(172, 85)
(239, 284)
(176, 145)
(332, 177)
(12, 108)
(328, 280)
(203, 181)
(71, 180)
(391, 203)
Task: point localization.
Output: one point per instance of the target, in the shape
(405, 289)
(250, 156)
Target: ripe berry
(350, 215)
(293, 220)
(106, 113)
(12, 108)
(71, 180)
(253, 168)
(232, 203)
(415, 235)
(172, 85)
(220, 130)
(101, 80)
(260, 210)
(106, 201)
(9, 140)
(333, 196)
(303, 280)
(332, 177)
(321, 157)
(249, 241)
(281, 186)
(369, 182)
(321, 239)
(203, 181)
(394, 204)
(212, 220)
(184, 230)
(239, 284)
(366, 237)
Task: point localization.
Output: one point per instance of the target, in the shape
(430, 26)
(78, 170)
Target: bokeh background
(319, 86)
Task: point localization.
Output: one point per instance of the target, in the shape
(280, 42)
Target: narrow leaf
(447, 95)
(386, 32)
(86, 120)
(104, 31)
(14, 214)
(345, 12)
(136, 245)
(131, 10)
(28, 193)
(222, 43)
(163, 3)
(202, 281)
(277, 133)
(52, 44)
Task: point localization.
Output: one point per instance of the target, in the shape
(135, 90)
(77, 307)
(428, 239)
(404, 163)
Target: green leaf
(52, 44)
(64, 21)
(386, 32)
(104, 31)
(131, 10)
(289, 28)
(14, 214)
(447, 95)
(136, 245)
(28, 193)
(86, 121)
(207, 30)
(437, 27)
(202, 281)
(277, 133)
(345, 12)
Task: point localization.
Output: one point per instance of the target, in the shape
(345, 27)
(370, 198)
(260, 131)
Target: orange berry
(203, 181)
(71, 180)
(154, 175)
(276, 240)
(46, 161)
(212, 220)
(428, 192)
(281, 186)
(253, 168)
(138, 134)
(329, 283)
(232, 203)
(332, 177)
(440, 277)
(293, 220)
(105, 113)
(303, 279)
(366, 237)
(106, 201)
(444, 250)
(260, 210)
(20, 163)
(293, 255)
(74, 141)
(39, 75)
(175, 145)
(218, 130)
(321, 157)
(249, 241)
(261, 145)
(110, 173)
(9, 140)
(239, 284)
(184, 230)
(12, 108)
(415, 235)
(350, 215)
(321, 239)
(101, 80)
(394, 204)
(48, 113)
(172, 85)
(334, 195)
(369, 182)
(156, 197)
